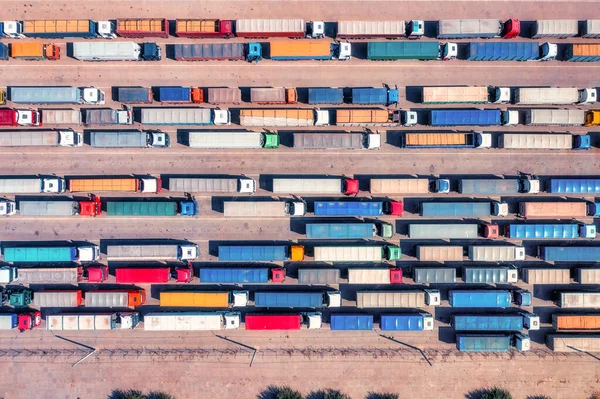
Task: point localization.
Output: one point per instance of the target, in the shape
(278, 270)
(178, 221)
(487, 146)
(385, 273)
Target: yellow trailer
(195, 299)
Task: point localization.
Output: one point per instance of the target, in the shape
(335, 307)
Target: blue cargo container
(465, 117)
(482, 343)
(541, 231)
(574, 186)
(340, 230)
(325, 96)
(374, 96)
(480, 299)
(503, 51)
(351, 322)
(174, 94)
(570, 254)
(401, 322)
(254, 253)
(234, 275)
(487, 322)
(456, 209)
(3, 51)
(134, 95)
(325, 208)
(288, 299)
(89, 33)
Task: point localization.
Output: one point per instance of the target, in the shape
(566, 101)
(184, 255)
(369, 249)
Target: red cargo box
(143, 275)
(8, 117)
(273, 322)
(143, 27)
(204, 28)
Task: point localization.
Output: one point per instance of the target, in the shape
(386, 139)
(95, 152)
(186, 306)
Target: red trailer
(143, 27)
(273, 321)
(150, 275)
(204, 28)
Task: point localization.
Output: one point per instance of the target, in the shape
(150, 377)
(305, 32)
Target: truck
(569, 254)
(153, 275)
(224, 95)
(87, 253)
(152, 208)
(4, 53)
(318, 276)
(397, 299)
(444, 253)
(40, 138)
(430, 275)
(555, 117)
(490, 275)
(578, 299)
(465, 117)
(555, 210)
(496, 253)
(351, 322)
(251, 52)
(293, 28)
(488, 298)
(464, 209)
(457, 95)
(555, 28)
(57, 275)
(583, 52)
(591, 29)
(91, 207)
(22, 321)
(58, 299)
(37, 185)
(264, 208)
(511, 51)
(283, 117)
(237, 140)
(92, 322)
(477, 28)
(260, 253)
(349, 231)
(374, 96)
(355, 208)
(115, 298)
(33, 51)
(495, 322)
(573, 186)
(241, 275)
(150, 252)
(587, 276)
(191, 321)
(200, 28)
(408, 186)
(484, 343)
(60, 28)
(317, 300)
(546, 276)
(17, 297)
(545, 141)
(587, 343)
(447, 140)
(315, 186)
(443, 231)
(273, 95)
(554, 96)
(179, 95)
(323, 95)
(498, 186)
(56, 95)
(337, 141)
(184, 116)
(223, 299)
(421, 321)
(116, 51)
(7, 207)
(60, 117)
(147, 184)
(147, 27)
(108, 116)
(357, 253)
(19, 117)
(550, 231)
(576, 322)
(374, 117)
(129, 139)
(431, 50)
(320, 50)
(375, 275)
(282, 322)
(134, 95)
(241, 185)
(371, 30)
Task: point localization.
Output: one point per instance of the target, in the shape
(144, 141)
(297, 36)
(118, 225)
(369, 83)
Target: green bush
(496, 393)
(287, 393)
(333, 394)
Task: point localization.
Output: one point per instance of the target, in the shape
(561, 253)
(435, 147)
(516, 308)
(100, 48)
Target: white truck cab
(449, 51)
(548, 52)
(415, 29)
(316, 30)
(409, 118)
(373, 141)
(295, 208)
(485, 140)
(500, 209)
(7, 207)
(433, 297)
(334, 299)
(70, 138)
(512, 274)
(129, 320)
(502, 95)
(313, 320)
(53, 185)
(159, 139)
(8, 274)
(88, 253)
(150, 185)
(344, 51)
(232, 320)
(240, 298)
(322, 118)
(247, 186)
(510, 118)
(28, 117)
(522, 342)
(221, 117)
(427, 321)
(587, 96)
(92, 95)
(13, 29)
(588, 231)
(531, 321)
(531, 186)
(105, 29)
(189, 251)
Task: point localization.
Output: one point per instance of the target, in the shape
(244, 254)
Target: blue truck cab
(189, 207)
(151, 52)
(253, 52)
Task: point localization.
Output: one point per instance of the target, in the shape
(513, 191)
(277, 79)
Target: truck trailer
(134, 95)
(179, 95)
(57, 275)
(430, 275)
(318, 276)
(371, 30)
(146, 27)
(464, 209)
(115, 298)
(554, 96)
(377, 275)
(283, 117)
(496, 322)
(511, 51)
(573, 186)
(56, 95)
(445, 253)
(211, 185)
(315, 186)
(498, 186)
(108, 116)
(546, 276)
(488, 298)
(484, 343)
(553, 141)
(319, 50)
(421, 321)
(447, 140)
(576, 322)
(588, 343)
(587, 276)
(583, 52)
(555, 117)
(128, 184)
(408, 186)
(58, 299)
(490, 275)
(375, 254)
(554, 28)
(251, 52)
(224, 95)
(263, 208)
(116, 51)
(569, 254)
(550, 231)
(273, 95)
(348, 231)
(92, 322)
(237, 140)
(337, 141)
(62, 28)
(555, 210)
(200, 28)
(40, 138)
(325, 95)
(60, 117)
(211, 299)
(477, 28)
(87, 253)
(152, 208)
(443, 231)
(184, 116)
(317, 300)
(416, 50)
(260, 253)
(153, 275)
(496, 253)
(241, 275)
(147, 252)
(351, 322)
(353, 208)
(129, 139)
(374, 117)
(191, 321)
(578, 299)
(397, 299)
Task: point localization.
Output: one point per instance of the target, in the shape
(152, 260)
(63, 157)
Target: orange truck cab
(197, 95)
(491, 231)
(34, 51)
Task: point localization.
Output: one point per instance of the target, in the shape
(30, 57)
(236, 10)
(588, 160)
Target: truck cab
(151, 52)
(531, 321)
(521, 341)
(150, 185)
(440, 186)
(522, 297)
(89, 253)
(232, 320)
(247, 186)
(295, 208)
(587, 96)
(70, 138)
(240, 299)
(313, 320)
(17, 298)
(593, 209)
(499, 209)
(124, 116)
(97, 274)
(189, 207)
(271, 140)
(582, 142)
(373, 141)
(449, 51)
(278, 273)
(491, 231)
(415, 29)
(93, 207)
(393, 208)
(333, 299)
(432, 297)
(188, 251)
(529, 186)
(588, 230)
(509, 118)
(93, 96)
(13, 29)
(385, 230)
(322, 118)
(548, 51)
(350, 187)
(53, 185)
(128, 321)
(342, 51)
(392, 252)
(105, 29)
(253, 52)
(221, 117)
(8, 274)
(501, 95)
(408, 118)
(316, 30)
(184, 274)
(158, 139)
(28, 117)
(7, 207)
(28, 321)
(592, 118)
(511, 29)
(427, 321)
(483, 140)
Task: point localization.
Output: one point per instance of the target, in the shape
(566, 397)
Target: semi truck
(583, 52)
(152, 208)
(357, 253)
(477, 28)
(554, 28)
(374, 96)
(54, 275)
(241, 275)
(149, 252)
(556, 210)
(374, 117)
(294, 50)
(237, 140)
(315, 186)
(128, 184)
(283, 117)
(251, 52)
(351, 322)
(224, 95)
(348, 231)
(483, 343)
(129, 139)
(443, 231)
(545, 141)
(318, 276)
(488, 298)
(317, 300)
(550, 231)
(573, 186)
(19, 117)
(408, 186)
(21, 321)
(445, 253)
(34, 51)
(264, 208)
(60, 117)
(546, 276)
(153, 275)
(555, 117)
(92, 322)
(511, 51)
(587, 276)
(554, 96)
(447, 140)
(191, 321)
(116, 51)
(354, 208)
(53, 28)
(578, 299)
(32, 185)
(56, 95)
(58, 299)
(371, 30)
(273, 95)
(464, 209)
(498, 186)
(293, 28)
(260, 253)
(146, 27)
(496, 253)
(377, 275)
(200, 28)
(87, 253)
(576, 322)
(418, 50)
(242, 185)
(115, 298)
(91, 207)
(40, 138)
(179, 95)
(496, 322)
(209, 299)
(184, 116)
(587, 343)
(397, 299)
(108, 116)
(569, 254)
(430, 275)
(421, 321)
(337, 141)
(490, 275)
(283, 322)
(465, 95)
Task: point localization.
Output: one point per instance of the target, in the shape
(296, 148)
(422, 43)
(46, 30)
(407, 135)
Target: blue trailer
(406, 322)
(137, 95)
(487, 322)
(253, 253)
(503, 51)
(550, 231)
(288, 300)
(574, 186)
(325, 96)
(465, 117)
(234, 275)
(456, 209)
(340, 230)
(351, 322)
(348, 208)
(174, 94)
(483, 343)
(374, 96)
(3, 52)
(480, 299)
(569, 254)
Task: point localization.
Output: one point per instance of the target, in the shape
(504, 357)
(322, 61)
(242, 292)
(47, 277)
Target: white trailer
(536, 141)
(50, 275)
(554, 96)
(546, 276)
(107, 299)
(591, 29)
(588, 276)
(252, 27)
(397, 299)
(469, 28)
(555, 28)
(40, 138)
(496, 253)
(556, 117)
(152, 252)
(350, 254)
(224, 140)
(58, 117)
(369, 276)
(445, 253)
(32, 186)
(308, 186)
(399, 186)
(191, 321)
(264, 208)
(211, 185)
(57, 299)
(584, 300)
(106, 51)
(369, 29)
(184, 116)
(587, 343)
(56, 95)
(92, 322)
(443, 231)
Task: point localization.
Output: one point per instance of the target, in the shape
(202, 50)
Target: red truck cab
(28, 321)
(395, 276)
(491, 231)
(394, 208)
(184, 274)
(512, 29)
(97, 274)
(278, 275)
(351, 186)
(197, 95)
(93, 207)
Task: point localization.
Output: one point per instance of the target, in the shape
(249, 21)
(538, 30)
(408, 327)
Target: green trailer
(384, 51)
(141, 208)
